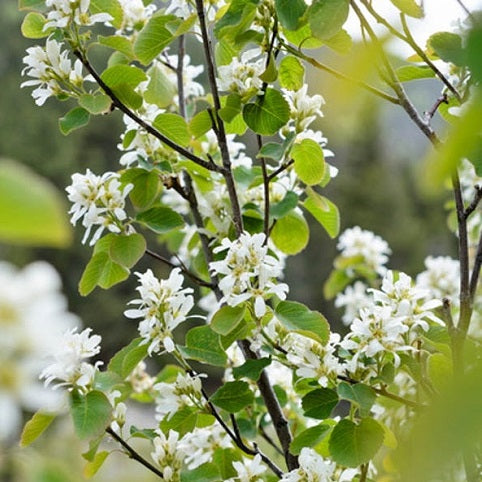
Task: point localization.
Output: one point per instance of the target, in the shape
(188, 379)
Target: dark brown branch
(340, 75)
(467, 11)
(443, 99)
(268, 439)
(280, 169)
(475, 202)
(266, 191)
(147, 127)
(180, 78)
(133, 454)
(474, 278)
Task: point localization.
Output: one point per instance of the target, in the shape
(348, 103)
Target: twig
(447, 315)
(150, 129)
(183, 268)
(266, 191)
(443, 99)
(133, 454)
(280, 169)
(363, 472)
(475, 202)
(268, 439)
(340, 75)
(474, 278)
(467, 11)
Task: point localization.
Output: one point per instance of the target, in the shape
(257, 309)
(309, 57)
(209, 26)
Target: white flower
(353, 299)
(313, 468)
(242, 76)
(249, 470)
(70, 368)
(357, 242)
(63, 12)
(185, 391)
(304, 109)
(249, 272)
(169, 455)
(135, 14)
(140, 380)
(100, 200)
(163, 305)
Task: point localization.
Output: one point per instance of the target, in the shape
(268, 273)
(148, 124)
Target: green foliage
(233, 396)
(309, 438)
(91, 413)
(309, 161)
(409, 7)
(92, 467)
(33, 26)
(207, 472)
(361, 395)
(126, 359)
(174, 127)
(291, 73)
(127, 250)
(448, 46)
(146, 186)
(324, 211)
(160, 219)
(291, 233)
(407, 73)
(326, 17)
(35, 427)
(74, 119)
(95, 104)
(251, 368)
(319, 403)
(203, 344)
(290, 12)
(227, 318)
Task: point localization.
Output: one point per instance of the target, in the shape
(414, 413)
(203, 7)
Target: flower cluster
(169, 455)
(100, 201)
(249, 470)
(163, 305)
(63, 12)
(70, 368)
(304, 109)
(52, 72)
(248, 271)
(441, 278)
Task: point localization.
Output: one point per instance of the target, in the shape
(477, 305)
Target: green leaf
(101, 271)
(336, 282)
(92, 467)
(112, 7)
(74, 119)
(352, 445)
(119, 43)
(291, 73)
(127, 358)
(341, 42)
(270, 74)
(35, 427)
(227, 318)
(309, 161)
(268, 114)
(160, 90)
(160, 219)
(325, 212)
(303, 38)
(203, 344)
(200, 124)
(91, 413)
(319, 403)
(309, 438)
(291, 233)
(123, 75)
(290, 12)
(440, 370)
(32, 211)
(360, 394)
(95, 104)
(127, 250)
(448, 46)
(183, 421)
(146, 186)
(296, 316)
(272, 150)
(31, 4)
(283, 207)
(237, 19)
(224, 458)
(251, 368)
(409, 7)
(153, 38)
(128, 96)
(233, 396)
(474, 47)
(208, 472)
(231, 107)
(174, 127)
(33, 26)
(414, 72)
(327, 17)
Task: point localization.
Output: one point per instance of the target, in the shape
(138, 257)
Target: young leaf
(160, 219)
(291, 233)
(327, 17)
(160, 90)
(251, 368)
(174, 127)
(200, 124)
(309, 438)
(409, 7)
(74, 119)
(309, 161)
(92, 467)
(35, 427)
(112, 7)
(227, 318)
(290, 12)
(123, 74)
(127, 250)
(127, 358)
(336, 282)
(95, 104)
(224, 458)
(33, 26)
(325, 212)
(146, 186)
(283, 207)
(448, 46)
(119, 43)
(233, 396)
(319, 403)
(352, 445)
(291, 73)
(296, 316)
(414, 72)
(268, 114)
(183, 421)
(202, 344)
(91, 413)
(231, 107)
(361, 394)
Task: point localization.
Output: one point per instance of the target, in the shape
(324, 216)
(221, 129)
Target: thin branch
(443, 99)
(384, 392)
(266, 191)
(339, 75)
(133, 454)
(280, 170)
(474, 278)
(183, 268)
(147, 127)
(447, 315)
(180, 77)
(268, 439)
(364, 472)
(475, 202)
(467, 11)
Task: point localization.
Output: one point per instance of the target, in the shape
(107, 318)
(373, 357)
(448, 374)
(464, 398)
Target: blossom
(63, 12)
(249, 470)
(163, 305)
(304, 109)
(353, 299)
(135, 14)
(373, 249)
(185, 391)
(169, 455)
(248, 271)
(242, 76)
(313, 468)
(100, 201)
(70, 368)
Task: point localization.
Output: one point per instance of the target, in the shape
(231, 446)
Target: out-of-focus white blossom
(313, 468)
(169, 455)
(70, 368)
(441, 278)
(162, 306)
(170, 397)
(304, 109)
(33, 318)
(249, 470)
(353, 299)
(62, 12)
(139, 379)
(135, 14)
(119, 411)
(100, 201)
(248, 271)
(358, 242)
(242, 76)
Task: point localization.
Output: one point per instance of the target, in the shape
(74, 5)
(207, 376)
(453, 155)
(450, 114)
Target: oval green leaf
(127, 250)
(160, 219)
(309, 161)
(233, 396)
(174, 127)
(291, 233)
(326, 17)
(91, 413)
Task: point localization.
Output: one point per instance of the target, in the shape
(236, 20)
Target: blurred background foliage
(377, 151)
